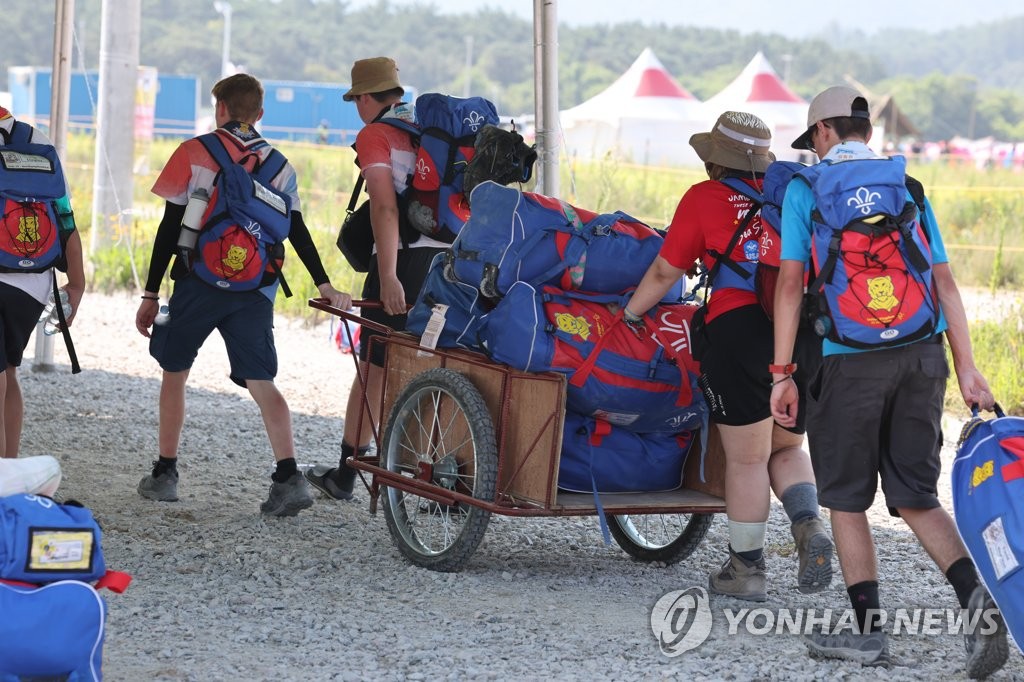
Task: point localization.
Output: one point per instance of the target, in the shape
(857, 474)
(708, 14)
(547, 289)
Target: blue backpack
(871, 254)
(464, 316)
(31, 182)
(766, 274)
(988, 504)
(241, 244)
(446, 130)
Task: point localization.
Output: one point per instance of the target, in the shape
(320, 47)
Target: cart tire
(439, 428)
(669, 538)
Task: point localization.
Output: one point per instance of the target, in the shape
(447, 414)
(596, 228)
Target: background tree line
(965, 81)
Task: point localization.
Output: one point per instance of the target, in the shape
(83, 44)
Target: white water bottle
(192, 220)
(50, 318)
(163, 315)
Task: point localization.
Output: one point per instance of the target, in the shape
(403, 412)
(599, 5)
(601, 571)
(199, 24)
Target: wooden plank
(714, 467)
(529, 441)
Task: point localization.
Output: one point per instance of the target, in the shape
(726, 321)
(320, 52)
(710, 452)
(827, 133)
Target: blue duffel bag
(988, 504)
(465, 311)
(599, 457)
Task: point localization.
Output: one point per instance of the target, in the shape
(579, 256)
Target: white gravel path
(222, 594)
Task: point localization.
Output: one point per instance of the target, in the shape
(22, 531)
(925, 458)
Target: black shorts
(878, 414)
(19, 314)
(734, 372)
(412, 268)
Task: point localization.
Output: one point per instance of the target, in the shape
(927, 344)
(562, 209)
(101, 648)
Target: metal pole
(225, 54)
(60, 87)
(545, 32)
(113, 178)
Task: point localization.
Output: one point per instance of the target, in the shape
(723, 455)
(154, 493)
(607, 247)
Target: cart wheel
(659, 537)
(489, 282)
(439, 432)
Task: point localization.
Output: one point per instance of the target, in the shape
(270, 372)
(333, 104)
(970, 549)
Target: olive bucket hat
(376, 74)
(738, 140)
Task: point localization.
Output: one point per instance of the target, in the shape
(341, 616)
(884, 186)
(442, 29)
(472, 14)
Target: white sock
(746, 537)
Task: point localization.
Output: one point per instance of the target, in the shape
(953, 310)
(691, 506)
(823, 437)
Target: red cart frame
(433, 461)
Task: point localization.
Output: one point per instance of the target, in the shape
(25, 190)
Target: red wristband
(782, 369)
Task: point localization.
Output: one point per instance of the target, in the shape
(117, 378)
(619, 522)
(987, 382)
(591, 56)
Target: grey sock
(800, 501)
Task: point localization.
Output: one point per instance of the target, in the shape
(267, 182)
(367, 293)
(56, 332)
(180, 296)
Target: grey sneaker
(740, 578)
(814, 548)
(331, 482)
(288, 498)
(871, 649)
(161, 486)
(986, 653)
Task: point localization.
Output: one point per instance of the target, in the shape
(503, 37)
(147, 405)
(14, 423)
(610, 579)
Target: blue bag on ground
(515, 236)
(599, 457)
(988, 503)
(54, 632)
(42, 541)
(466, 308)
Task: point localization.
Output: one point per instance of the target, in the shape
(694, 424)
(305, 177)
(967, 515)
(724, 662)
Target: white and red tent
(759, 91)
(644, 117)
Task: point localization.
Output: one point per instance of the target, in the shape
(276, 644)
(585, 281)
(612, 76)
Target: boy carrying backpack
(884, 280)
(231, 201)
(37, 234)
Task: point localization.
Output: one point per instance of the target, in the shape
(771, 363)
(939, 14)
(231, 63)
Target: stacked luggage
(540, 285)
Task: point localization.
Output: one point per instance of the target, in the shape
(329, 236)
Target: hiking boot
(332, 482)
(814, 548)
(986, 653)
(740, 578)
(288, 498)
(870, 650)
(161, 485)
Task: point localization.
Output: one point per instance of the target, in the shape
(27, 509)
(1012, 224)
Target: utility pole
(545, 88)
(60, 90)
(224, 8)
(113, 179)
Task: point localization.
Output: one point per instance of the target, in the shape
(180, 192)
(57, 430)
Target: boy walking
(244, 318)
(874, 409)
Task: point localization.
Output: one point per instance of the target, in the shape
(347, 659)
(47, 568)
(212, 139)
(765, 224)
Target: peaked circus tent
(644, 117)
(759, 91)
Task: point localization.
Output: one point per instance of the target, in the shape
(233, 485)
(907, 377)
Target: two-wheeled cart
(464, 437)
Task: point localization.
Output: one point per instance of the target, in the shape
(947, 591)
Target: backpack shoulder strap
(410, 128)
(723, 258)
(916, 190)
(271, 166)
(743, 188)
(21, 133)
(215, 146)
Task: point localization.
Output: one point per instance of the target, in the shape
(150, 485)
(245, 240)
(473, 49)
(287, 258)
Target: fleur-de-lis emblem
(863, 199)
(422, 169)
(474, 120)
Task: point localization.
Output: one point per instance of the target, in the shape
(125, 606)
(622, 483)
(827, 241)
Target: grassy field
(981, 213)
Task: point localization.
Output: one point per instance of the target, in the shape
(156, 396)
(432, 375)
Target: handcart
(464, 437)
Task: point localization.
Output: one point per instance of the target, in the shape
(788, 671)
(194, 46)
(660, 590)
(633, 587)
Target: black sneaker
(332, 482)
(871, 649)
(288, 498)
(986, 653)
(161, 485)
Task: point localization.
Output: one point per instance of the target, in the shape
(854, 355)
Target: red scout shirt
(706, 219)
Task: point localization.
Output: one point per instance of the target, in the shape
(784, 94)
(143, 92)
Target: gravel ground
(223, 594)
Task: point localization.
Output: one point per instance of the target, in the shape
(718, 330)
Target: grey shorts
(878, 414)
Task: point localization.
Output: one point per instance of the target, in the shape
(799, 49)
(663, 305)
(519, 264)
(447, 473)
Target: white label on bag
(999, 551)
(26, 162)
(434, 327)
